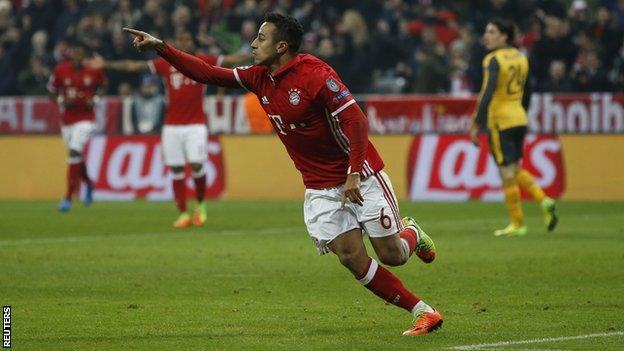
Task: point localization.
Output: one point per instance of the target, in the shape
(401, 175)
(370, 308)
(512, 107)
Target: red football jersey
(303, 101)
(185, 96)
(77, 86)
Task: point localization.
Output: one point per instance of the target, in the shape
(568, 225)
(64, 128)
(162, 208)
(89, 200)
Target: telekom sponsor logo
(129, 167)
(450, 168)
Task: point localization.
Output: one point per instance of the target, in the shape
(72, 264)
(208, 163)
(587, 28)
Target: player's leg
(393, 239)
(394, 242)
(195, 150)
(505, 150)
(528, 184)
(173, 153)
(349, 247)
(73, 180)
(82, 134)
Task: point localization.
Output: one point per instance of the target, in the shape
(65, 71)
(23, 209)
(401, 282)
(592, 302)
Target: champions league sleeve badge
(332, 84)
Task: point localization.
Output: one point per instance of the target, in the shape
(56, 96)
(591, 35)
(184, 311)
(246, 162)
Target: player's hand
(144, 41)
(95, 62)
(351, 190)
(474, 135)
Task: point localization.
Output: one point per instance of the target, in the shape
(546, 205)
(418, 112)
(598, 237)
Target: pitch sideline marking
(534, 341)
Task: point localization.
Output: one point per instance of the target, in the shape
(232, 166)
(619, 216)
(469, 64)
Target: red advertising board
(130, 167)
(39, 115)
(548, 113)
(450, 167)
(599, 113)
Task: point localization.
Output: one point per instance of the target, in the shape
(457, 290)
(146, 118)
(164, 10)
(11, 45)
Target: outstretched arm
(188, 65)
(233, 60)
(127, 65)
(98, 62)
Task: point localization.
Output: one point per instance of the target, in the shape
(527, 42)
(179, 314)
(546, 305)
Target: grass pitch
(116, 276)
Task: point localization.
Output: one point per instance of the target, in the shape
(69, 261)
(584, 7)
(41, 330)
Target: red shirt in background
(186, 96)
(77, 86)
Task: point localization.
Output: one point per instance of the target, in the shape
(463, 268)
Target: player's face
(493, 38)
(265, 49)
(185, 42)
(78, 54)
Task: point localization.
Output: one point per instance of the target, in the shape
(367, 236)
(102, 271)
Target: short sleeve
(158, 66)
(249, 77)
(331, 91)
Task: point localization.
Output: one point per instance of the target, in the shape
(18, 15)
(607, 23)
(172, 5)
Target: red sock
(387, 286)
(84, 175)
(200, 187)
(73, 179)
(409, 235)
(179, 192)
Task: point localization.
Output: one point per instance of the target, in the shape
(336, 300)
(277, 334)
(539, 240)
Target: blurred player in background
(501, 110)
(184, 134)
(326, 135)
(76, 89)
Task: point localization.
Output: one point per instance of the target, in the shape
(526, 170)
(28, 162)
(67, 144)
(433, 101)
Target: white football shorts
(76, 136)
(184, 144)
(326, 219)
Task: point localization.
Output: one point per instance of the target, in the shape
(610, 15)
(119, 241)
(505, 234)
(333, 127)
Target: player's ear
(282, 47)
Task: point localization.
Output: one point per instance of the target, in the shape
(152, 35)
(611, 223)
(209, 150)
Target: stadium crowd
(377, 46)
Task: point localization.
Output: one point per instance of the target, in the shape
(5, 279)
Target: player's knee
(198, 169)
(353, 260)
(392, 257)
(74, 153)
(177, 170)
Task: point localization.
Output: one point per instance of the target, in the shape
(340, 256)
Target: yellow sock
(528, 184)
(512, 201)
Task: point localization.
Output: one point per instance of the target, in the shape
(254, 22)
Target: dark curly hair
(288, 29)
(507, 28)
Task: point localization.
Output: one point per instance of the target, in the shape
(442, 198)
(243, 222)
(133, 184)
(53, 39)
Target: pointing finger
(134, 32)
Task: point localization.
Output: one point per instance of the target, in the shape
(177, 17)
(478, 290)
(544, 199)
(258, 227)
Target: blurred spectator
(14, 47)
(557, 81)
(376, 46)
(38, 13)
(554, 45)
(39, 45)
(121, 49)
(578, 16)
(591, 76)
(357, 71)
(33, 79)
(607, 35)
(459, 80)
(148, 108)
(432, 72)
(125, 15)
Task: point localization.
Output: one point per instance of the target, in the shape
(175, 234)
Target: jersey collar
(289, 65)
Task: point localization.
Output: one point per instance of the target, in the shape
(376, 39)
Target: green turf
(116, 276)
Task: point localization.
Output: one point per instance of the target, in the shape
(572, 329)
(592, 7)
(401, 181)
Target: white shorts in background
(76, 136)
(378, 217)
(184, 144)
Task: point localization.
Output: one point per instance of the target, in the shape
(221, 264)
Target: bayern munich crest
(332, 85)
(293, 96)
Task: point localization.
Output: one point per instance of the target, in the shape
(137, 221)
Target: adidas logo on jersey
(265, 101)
